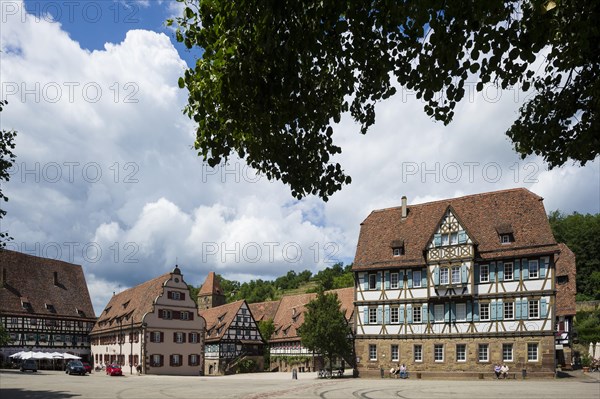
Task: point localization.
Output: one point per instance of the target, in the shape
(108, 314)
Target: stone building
(566, 291)
(458, 285)
(154, 324)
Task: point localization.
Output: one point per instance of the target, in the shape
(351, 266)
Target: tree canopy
(7, 158)
(276, 75)
(325, 329)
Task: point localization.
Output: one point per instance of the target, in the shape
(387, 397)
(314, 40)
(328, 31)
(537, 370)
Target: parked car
(75, 367)
(87, 367)
(114, 369)
(28, 364)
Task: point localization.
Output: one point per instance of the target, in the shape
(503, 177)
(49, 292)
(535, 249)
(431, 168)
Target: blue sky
(106, 176)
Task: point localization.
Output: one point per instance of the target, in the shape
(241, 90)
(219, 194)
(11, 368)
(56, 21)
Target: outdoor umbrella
(16, 355)
(597, 352)
(69, 356)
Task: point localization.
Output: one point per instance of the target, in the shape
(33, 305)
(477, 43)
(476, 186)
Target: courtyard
(58, 385)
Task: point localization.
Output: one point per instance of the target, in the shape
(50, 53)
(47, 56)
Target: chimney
(404, 210)
(55, 278)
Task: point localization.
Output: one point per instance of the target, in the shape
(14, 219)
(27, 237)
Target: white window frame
(483, 353)
(155, 360)
(461, 356)
(416, 279)
(533, 309)
(534, 272)
(444, 276)
(176, 295)
(372, 279)
(176, 360)
(461, 312)
(505, 238)
(417, 315)
(179, 338)
(194, 338)
(507, 352)
(530, 352)
(394, 315)
(372, 315)
(418, 353)
(445, 239)
(484, 309)
(194, 360)
(185, 315)
(437, 350)
(397, 251)
(508, 310)
(456, 275)
(394, 285)
(395, 353)
(155, 336)
(438, 313)
(509, 276)
(454, 238)
(484, 273)
(372, 352)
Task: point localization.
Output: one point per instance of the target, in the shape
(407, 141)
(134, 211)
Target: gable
(450, 231)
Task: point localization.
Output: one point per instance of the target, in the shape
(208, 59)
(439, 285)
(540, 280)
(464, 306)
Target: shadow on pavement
(18, 393)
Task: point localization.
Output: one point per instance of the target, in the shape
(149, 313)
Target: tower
(211, 294)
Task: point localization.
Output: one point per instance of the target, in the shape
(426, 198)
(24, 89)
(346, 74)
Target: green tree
(4, 336)
(587, 325)
(266, 328)
(7, 158)
(325, 329)
(580, 233)
(276, 75)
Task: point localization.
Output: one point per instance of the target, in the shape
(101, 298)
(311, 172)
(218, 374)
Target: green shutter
(517, 309)
(409, 278)
(365, 281)
(436, 275)
(446, 312)
(524, 309)
(462, 236)
(517, 270)
(492, 271)
(366, 315)
(379, 315)
(431, 314)
(500, 310)
(525, 268)
(543, 308)
(469, 311)
(378, 281)
(387, 280)
(386, 312)
(409, 317)
(424, 278)
(543, 266)
(453, 312)
(424, 313)
(500, 271)
(476, 311)
(476, 273)
(463, 273)
(492, 311)
(401, 314)
(437, 240)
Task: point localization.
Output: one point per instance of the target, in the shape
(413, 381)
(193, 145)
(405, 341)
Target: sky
(106, 175)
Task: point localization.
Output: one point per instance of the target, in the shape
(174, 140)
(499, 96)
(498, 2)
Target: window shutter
(524, 309)
(162, 360)
(431, 314)
(469, 311)
(183, 337)
(517, 270)
(525, 268)
(436, 275)
(387, 280)
(476, 311)
(379, 315)
(174, 337)
(366, 315)
(182, 296)
(162, 337)
(437, 240)
(500, 310)
(492, 272)
(365, 281)
(386, 312)
(424, 313)
(463, 272)
(446, 312)
(401, 279)
(476, 273)
(424, 278)
(191, 315)
(409, 278)
(492, 311)
(500, 271)
(189, 337)
(409, 316)
(462, 236)
(169, 294)
(453, 312)
(517, 309)
(543, 266)
(543, 308)
(170, 360)
(190, 360)
(378, 281)
(401, 314)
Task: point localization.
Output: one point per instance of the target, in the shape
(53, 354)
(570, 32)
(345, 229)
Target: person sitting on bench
(497, 370)
(403, 371)
(504, 371)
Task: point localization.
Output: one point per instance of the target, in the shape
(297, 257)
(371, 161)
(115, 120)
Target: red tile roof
(566, 291)
(31, 278)
(482, 215)
(264, 310)
(219, 318)
(211, 285)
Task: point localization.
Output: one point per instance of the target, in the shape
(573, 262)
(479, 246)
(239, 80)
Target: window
(445, 239)
(461, 352)
(484, 311)
(438, 312)
(185, 315)
(372, 281)
(372, 352)
(505, 238)
(156, 361)
(532, 352)
(395, 356)
(166, 314)
(417, 314)
(508, 271)
(484, 273)
(533, 269)
(179, 337)
(507, 352)
(194, 338)
(193, 360)
(453, 238)
(438, 352)
(394, 315)
(398, 251)
(418, 353)
(483, 352)
(456, 275)
(372, 315)
(461, 312)
(175, 295)
(156, 336)
(562, 280)
(394, 280)
(444, 275)
(416, 278)
(509, 310)
(534, 309)
(175, 360)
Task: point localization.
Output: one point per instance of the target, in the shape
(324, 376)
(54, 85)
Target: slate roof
(136, 301)
(28, 278)
(482, 215)
(218, 319)
(565, 293)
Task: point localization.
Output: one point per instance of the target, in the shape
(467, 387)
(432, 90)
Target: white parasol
(597, 352)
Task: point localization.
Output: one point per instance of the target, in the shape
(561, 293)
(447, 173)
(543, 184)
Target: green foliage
(587, 325)
(266, 328)
(7, 158)
(580, 233)
(246, 366)
(325, 330)
(334, 277)
(194, 293)
(276, 75)
(291, 360)
(4, 336)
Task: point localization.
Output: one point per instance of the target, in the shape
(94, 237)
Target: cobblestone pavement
(57, 385)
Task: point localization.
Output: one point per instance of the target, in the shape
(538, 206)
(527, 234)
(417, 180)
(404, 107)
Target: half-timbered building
(155, 325)
(457, 285)
(44, 305)
(565, 305)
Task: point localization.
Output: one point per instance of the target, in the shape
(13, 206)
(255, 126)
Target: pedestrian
(403, 371)
(504, 370)
(138, 368)
(497, 370)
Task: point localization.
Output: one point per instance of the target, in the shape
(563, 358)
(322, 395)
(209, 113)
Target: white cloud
(109, 177)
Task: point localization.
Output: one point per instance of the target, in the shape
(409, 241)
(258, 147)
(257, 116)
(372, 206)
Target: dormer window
(125, 305)
(397, 247)
(50, 308)
(505, 233)
(506, 238)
